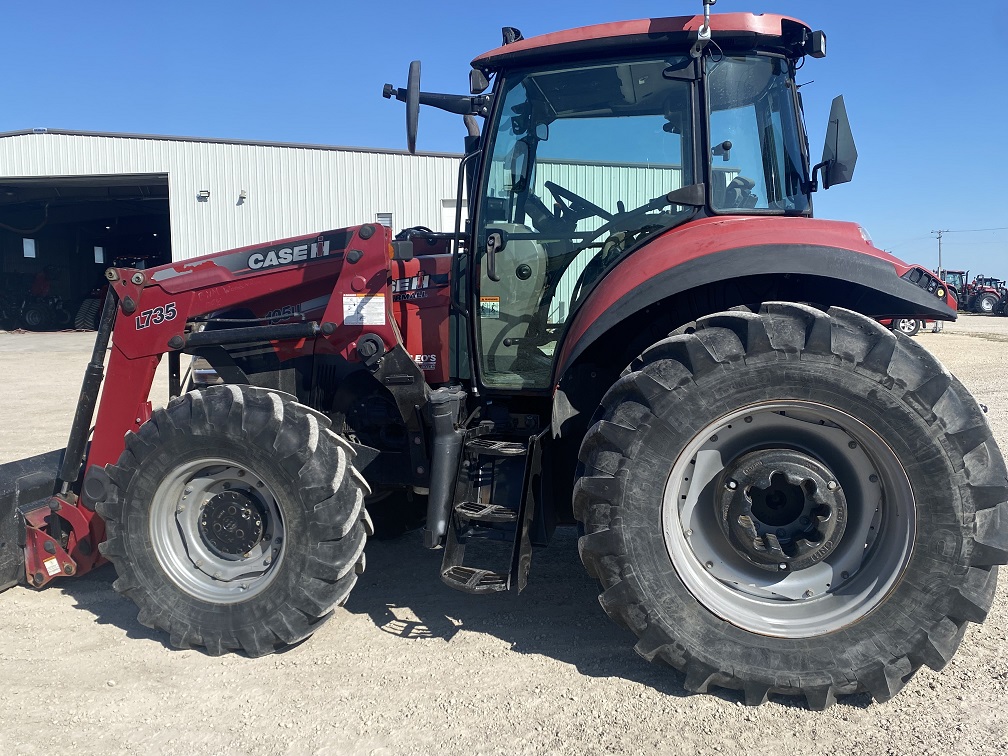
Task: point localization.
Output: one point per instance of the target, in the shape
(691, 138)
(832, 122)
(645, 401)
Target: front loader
(777, 495)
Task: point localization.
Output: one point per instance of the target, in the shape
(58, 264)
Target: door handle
(494, 242)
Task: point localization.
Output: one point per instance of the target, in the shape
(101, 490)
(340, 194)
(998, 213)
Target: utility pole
(940, 232)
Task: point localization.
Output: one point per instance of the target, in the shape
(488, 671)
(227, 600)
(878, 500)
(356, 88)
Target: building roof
(214, 140)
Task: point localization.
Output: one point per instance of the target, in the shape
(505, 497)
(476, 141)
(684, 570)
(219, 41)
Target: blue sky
(925, 86)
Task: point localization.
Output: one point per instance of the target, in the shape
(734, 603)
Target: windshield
(582, 158)
(756, 162)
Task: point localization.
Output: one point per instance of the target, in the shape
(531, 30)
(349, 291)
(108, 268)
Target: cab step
(477, 511)
(491, 466)
(473, 580)
(491, 447)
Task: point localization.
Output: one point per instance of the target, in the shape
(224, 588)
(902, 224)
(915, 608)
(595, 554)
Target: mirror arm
(812, 185)
(459, 104)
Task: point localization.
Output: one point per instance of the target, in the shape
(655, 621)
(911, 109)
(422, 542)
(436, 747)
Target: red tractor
(987, 295)
(775, 495)
(957, 282)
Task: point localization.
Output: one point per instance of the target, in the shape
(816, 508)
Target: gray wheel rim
(186, 556)
(852, 581)
(908, 325)
(987, 304)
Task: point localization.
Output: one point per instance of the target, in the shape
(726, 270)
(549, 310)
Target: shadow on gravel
(557, 615)
(93, 592)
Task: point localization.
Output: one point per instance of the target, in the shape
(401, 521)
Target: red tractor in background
(775, 495)
(987, 296)
(957, 282)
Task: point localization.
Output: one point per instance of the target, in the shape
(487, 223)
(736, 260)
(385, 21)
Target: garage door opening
(58, 235)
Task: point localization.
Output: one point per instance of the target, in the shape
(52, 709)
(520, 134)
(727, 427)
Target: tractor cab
(600, 139)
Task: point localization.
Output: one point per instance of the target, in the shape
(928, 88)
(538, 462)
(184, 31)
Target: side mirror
(412, 105)
(478, 82)
(839, 152)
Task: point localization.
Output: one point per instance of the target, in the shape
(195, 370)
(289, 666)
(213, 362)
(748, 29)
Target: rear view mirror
(478, 82)
(839, 152)
(412, 105)
(519, 168)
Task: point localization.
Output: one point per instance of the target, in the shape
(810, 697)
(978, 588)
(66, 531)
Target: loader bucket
(22, 483)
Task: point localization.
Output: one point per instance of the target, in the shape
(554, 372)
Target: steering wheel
(624, 221)
(576, 204)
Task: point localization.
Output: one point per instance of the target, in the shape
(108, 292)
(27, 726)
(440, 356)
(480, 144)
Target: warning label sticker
(364, 309)
(490, 307)
(51, 566)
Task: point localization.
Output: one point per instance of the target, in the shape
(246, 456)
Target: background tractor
(987, 295)
(775, 495)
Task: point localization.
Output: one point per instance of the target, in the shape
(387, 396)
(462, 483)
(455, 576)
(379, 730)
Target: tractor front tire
(236, 520)
(793, 502)
(36, 317)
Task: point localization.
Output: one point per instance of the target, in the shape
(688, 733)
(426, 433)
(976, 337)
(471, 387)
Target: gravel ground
(409, 666)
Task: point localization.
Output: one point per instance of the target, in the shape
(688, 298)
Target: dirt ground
(410, 666)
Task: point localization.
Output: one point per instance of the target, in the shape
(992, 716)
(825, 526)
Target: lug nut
(731, 485)
(709, 565)
(782, 566)
(832, 485)
(807, 594)
(873, 478)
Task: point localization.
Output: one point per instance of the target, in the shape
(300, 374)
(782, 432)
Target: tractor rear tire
(88, 315)
(913, 476)
(236, 520)
(986, 304)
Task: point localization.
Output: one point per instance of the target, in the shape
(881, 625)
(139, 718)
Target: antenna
(704, 35)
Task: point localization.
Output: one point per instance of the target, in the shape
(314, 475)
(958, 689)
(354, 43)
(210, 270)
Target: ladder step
(473, 580)
(471, 510)
(493, 448)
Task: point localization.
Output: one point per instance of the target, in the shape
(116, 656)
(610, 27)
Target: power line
(973, 230)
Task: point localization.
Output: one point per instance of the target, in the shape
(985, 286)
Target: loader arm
(160, 311)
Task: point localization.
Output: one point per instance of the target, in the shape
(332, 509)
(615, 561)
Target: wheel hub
(780, 509)
(232, 523)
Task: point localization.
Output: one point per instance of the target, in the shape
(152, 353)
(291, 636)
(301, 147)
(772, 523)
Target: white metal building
(251, 191)
(73, 203)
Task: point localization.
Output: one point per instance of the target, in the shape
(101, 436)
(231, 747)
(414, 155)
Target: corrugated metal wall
(290, 190)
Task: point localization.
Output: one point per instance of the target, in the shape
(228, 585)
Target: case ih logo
(410, 288)
(418, 286)
(271, 258)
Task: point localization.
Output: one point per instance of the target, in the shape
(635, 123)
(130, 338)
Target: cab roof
(775, 32)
